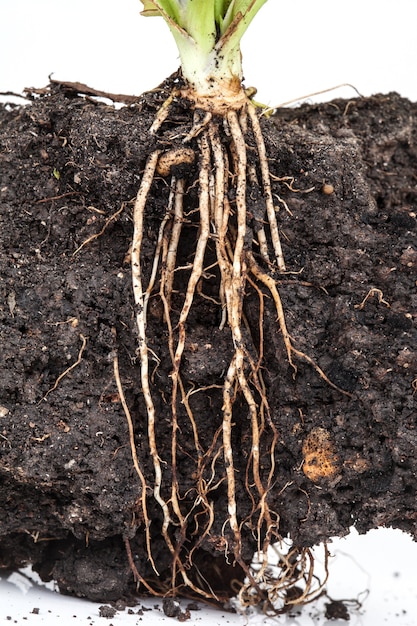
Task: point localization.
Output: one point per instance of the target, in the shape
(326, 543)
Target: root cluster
(232, 171)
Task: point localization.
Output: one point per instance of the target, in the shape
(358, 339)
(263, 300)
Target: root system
(237, 247)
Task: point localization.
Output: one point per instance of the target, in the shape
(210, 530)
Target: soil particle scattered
(69, 494)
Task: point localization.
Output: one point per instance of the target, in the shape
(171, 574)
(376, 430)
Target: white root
(195, 276)
(159, 245)
(137, 467)
(175, 237)
(270, 209)
(138, 292)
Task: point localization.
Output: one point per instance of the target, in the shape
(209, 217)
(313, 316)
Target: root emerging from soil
(233, 185)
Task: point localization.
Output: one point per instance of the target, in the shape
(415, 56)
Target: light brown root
(270, 283)
(138, 578)
(159, 245)
(195, 276)
(290, 581)
(69, 369)
(138, 291)
(266, 181)
(139, 295)
(231, 259)
(372, 292)
(107, 223)
(135, 462)
(171, 255)
(162, 113)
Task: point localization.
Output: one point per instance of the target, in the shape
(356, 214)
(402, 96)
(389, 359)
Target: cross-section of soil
(345, 183)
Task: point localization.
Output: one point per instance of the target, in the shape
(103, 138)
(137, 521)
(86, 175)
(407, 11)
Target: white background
(383, 562)
(292, 49)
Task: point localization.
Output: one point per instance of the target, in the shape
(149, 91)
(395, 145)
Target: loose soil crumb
(172, 608)
(69, 493)
(336, 609)
(107, 611)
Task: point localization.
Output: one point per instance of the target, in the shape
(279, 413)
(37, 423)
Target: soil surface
(69, 494)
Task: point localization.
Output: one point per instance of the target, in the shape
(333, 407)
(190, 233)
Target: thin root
(69, 369)
(108, 221)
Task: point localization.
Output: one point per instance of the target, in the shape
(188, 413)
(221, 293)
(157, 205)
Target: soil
(69, 497)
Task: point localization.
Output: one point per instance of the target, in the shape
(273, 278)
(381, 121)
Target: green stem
(208, 34)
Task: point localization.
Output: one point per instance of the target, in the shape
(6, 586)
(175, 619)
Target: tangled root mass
(218, 191)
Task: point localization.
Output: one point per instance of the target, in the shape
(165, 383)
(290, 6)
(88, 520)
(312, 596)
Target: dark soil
(69, 493)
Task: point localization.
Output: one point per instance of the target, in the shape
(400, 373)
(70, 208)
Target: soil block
(344, 179)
